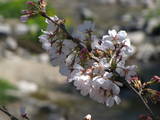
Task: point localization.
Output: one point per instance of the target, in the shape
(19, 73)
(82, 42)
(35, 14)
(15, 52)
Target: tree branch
(8, 114)
(141, 98)
(63, 28)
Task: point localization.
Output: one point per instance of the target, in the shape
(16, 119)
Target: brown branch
(8, 114)
(63, 28)
(141, 98)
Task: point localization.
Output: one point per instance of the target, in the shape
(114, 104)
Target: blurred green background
(28, 79)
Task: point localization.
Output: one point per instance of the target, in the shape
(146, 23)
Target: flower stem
(8, 114)
(142, 99)
(63, 28)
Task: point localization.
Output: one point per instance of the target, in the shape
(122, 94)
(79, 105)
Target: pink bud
(83, 53)
(135, 78)
(158, 93)
(156, 78)
(84, 50)
(30, 3)
(41, 1)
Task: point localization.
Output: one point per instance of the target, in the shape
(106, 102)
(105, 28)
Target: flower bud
(88, 117)
(43, 5)
(137, 83)
(30, 3)
(156, 79)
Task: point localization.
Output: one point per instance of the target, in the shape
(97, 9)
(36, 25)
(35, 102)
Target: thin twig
(142, 99)
(8, 114)
(63, 28)
(139, 95)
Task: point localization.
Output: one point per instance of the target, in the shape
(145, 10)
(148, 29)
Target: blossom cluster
(90, 62)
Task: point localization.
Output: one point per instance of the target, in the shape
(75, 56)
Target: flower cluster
(95, 65)
(91, 63)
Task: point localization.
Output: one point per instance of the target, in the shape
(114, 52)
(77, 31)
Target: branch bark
(8, 114)
(142, 99)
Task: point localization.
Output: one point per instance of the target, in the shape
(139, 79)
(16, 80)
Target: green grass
(4, 87)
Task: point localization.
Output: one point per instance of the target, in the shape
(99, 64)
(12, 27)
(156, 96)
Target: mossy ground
(4, 87)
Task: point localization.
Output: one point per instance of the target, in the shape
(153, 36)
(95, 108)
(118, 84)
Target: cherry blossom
(92, 67)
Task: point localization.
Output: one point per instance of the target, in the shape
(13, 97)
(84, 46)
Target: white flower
(107, 45)
(105, 91)
(43, 38)
(120, 71)
(69, 59)
(46, 46)
(45, 42)
(122, 35)
(127, 51)
(107, 75)
(55, 58)
(78, 67)
(106, 38)
(131, 71)
(76, 73)
(103, 63)
(117, 99)
(115, 89)
(127, 42)
(128, 71)
(86, 26)
(68, 46)
(99, 82)
(120, 68)
(54, 18)
(52, 26)
(112, 33)
(83, 84)
(64, 69)
(111, 100)
(58, 57)
(78, 36)
(97, 95)
(115, 37)
(95, 43)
